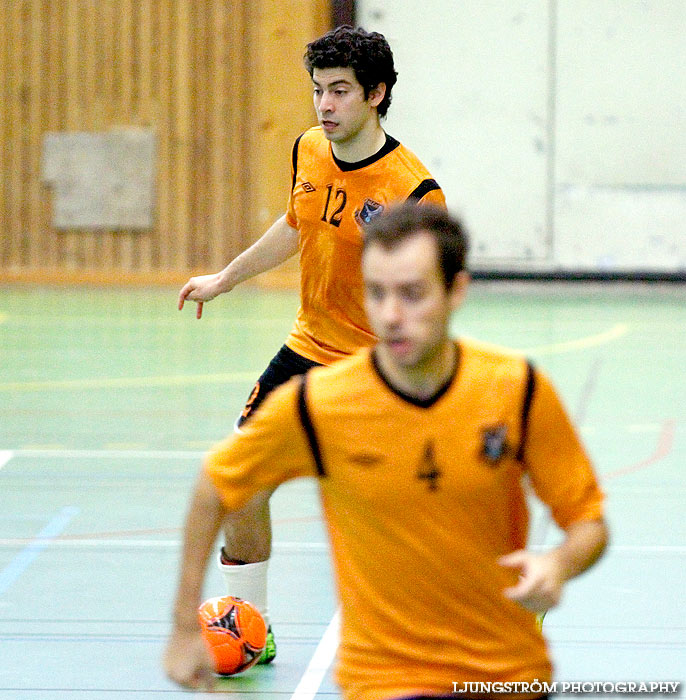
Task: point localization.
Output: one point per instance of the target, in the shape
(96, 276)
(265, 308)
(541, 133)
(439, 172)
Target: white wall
(556, 127)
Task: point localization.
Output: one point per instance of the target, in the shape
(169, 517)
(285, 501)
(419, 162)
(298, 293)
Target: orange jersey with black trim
(421, 500)
(330, 201)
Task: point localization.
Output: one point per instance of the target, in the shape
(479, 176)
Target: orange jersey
(420, 501)
(329, 202)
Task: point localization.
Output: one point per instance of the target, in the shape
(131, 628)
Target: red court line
(138, 533)
(664, 447)
(662, 450)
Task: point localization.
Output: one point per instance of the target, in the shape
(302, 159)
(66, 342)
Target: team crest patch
(494, 446)
(370, 210)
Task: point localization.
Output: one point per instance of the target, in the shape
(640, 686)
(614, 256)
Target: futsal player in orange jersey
(345, 171)
(420, 447)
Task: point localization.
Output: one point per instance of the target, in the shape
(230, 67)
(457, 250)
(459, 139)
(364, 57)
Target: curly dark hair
(367, 53)
(404, 220)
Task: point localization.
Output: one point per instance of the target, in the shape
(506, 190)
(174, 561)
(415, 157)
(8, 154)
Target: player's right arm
(248, 466)
(277, 244)
(186, 658)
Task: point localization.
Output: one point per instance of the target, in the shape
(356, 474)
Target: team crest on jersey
(370, 210)
(494, 446)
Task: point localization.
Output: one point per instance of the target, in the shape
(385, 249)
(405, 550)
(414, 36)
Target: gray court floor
(109, 398)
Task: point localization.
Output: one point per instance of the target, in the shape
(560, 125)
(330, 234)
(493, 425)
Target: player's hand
(540, 579)
(201, 289)
(187, 660)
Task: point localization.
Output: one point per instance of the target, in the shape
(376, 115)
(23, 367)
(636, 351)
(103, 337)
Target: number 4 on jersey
(428, 469)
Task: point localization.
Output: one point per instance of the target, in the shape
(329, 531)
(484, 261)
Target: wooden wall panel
(284, 89)
(221, 83)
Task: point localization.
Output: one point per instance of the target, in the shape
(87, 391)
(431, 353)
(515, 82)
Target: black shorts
(285, 364)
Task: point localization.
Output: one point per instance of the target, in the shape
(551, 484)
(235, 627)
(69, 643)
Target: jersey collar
(421, 403)
(390, 145)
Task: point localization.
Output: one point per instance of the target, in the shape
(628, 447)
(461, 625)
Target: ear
(377, 94)
(458, 291)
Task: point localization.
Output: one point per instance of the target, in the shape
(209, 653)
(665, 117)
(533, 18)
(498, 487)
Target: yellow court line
(131, 382)
(589, 341)
(116, 321)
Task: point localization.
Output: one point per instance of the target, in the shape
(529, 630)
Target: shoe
(269, 648)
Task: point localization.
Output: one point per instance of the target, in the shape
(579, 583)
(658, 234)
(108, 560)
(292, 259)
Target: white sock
(249, 582)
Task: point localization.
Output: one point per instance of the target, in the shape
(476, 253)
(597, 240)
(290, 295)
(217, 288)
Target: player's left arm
(564, 479)
(543, 575)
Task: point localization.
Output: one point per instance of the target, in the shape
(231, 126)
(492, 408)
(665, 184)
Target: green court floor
(109, 398)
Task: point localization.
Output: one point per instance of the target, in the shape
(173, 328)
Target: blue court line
(27, 555)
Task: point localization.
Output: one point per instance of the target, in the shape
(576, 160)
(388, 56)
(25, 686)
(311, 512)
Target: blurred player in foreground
(345, 172)
(419, 446)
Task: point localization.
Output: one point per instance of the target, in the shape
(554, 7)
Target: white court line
(632, 548)
(290, 547)
(5, 456)
(34, 547)
(320, 662)
(644, 428)
(128, 382)
(109, 454)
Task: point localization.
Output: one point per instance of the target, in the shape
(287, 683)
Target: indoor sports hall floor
(108, 399)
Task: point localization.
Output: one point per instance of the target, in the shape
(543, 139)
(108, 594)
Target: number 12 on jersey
(340, 199)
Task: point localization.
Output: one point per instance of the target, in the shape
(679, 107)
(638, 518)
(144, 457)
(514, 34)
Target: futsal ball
(234, 631)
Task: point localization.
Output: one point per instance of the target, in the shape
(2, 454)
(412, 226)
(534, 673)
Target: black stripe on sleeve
(294, 157)
(424, 187)
(526, 407)
(308, 427)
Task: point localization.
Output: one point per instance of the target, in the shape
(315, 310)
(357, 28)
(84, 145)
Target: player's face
(342, 110)
(408, 305)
